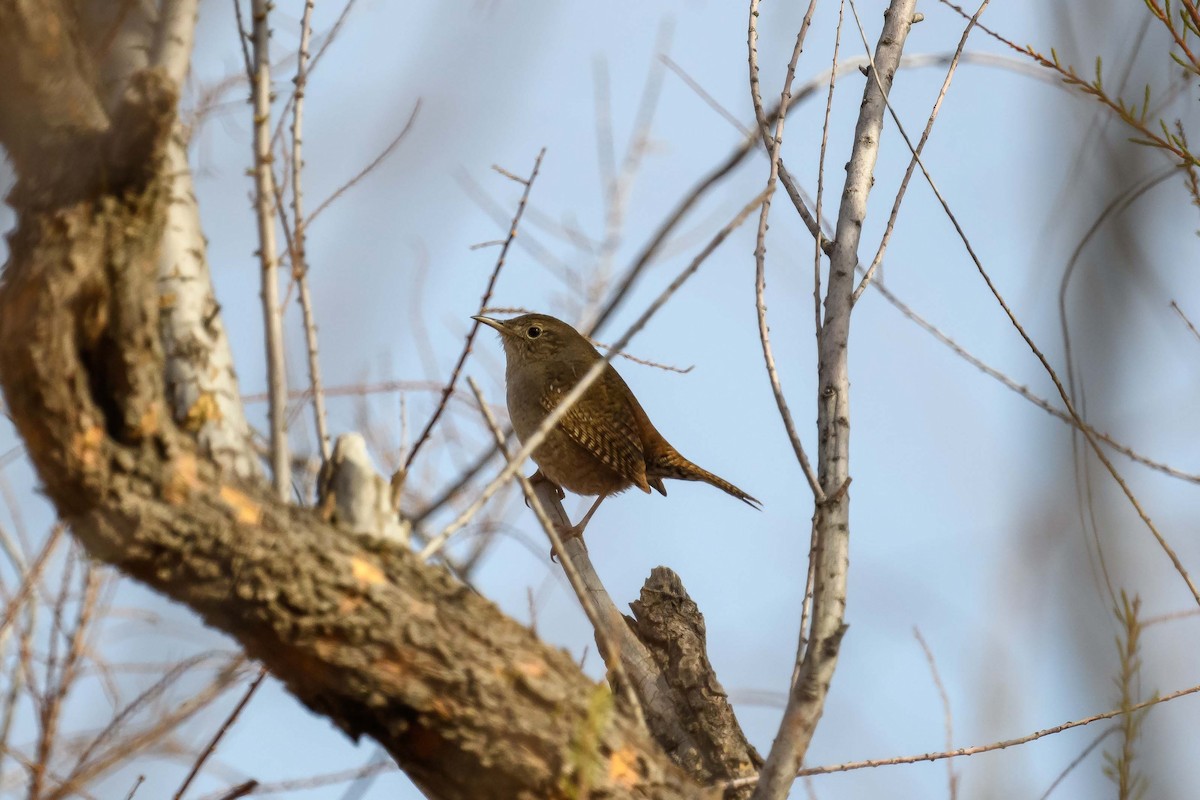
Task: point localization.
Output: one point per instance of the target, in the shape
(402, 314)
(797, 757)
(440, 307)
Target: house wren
(605, 443)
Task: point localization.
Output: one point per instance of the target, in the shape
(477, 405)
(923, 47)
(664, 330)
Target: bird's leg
(577, 529)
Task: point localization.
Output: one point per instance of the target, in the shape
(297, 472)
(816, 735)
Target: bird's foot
(538, 477)
(566, 533)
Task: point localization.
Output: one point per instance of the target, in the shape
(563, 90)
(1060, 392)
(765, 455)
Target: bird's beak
(492, 323)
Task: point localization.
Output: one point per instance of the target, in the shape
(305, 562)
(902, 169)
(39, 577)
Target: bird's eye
(533, 332)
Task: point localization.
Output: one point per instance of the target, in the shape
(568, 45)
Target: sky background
(965, 521)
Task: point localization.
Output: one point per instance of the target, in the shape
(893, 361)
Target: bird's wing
(603, 424)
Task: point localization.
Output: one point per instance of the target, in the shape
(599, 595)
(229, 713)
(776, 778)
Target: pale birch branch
(816, 662)
(264, 207)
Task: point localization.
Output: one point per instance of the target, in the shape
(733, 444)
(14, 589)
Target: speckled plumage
(605, 443)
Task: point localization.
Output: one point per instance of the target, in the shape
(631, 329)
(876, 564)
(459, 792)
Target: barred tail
(673, 465)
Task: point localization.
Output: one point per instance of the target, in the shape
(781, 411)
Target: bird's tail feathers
(673, 465)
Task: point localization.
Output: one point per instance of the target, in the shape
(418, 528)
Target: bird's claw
(565, 534)
(537, 477)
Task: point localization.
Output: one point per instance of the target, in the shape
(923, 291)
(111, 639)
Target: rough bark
(469, 702)
(670, 625)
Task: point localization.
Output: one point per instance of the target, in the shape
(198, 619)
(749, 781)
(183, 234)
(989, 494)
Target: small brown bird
(605, 443)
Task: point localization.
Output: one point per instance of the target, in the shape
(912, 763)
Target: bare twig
(487, 295)
(1075, 762)
(326, 39)
(299, 227)
(31, 577)
(241, 790)
(377, 765)
(912, 163)
(149, 736)
(819, 235)
(619, 182)
(1082, 467)
(369, 168)
(816, 660)
(947, 714)
(1077, 419)
(760, 250)
(264, 206)
(225, 726)
(646, 362)
(1024, 391)
(1185, 319)
(977, 749)
(59, 674)
(652, 248)
(585, 381)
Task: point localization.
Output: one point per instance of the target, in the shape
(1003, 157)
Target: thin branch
(585, 382)
(1082, 467)
(483, 301)
(377, 765)
(1075, 762)
(947, 713)
(326, 40)
(819, 236)
(136, 785)
(1024, 391)
(1185, 319)
(85, 763)
(652, 248)
(912, 163)
(817, 656)
(264, 206)
(369, 168)
(760, 250)
(1077, 419)
(609, 649)
(976, 750)
(30, 580)
(299, 226)
(225, 726)
(619, 183)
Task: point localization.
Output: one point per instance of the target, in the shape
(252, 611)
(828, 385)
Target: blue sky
(964, 515)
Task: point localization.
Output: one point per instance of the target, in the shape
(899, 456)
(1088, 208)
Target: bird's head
(532, 338)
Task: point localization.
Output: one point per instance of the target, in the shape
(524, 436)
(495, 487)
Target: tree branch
(470, 703)
(815, 663)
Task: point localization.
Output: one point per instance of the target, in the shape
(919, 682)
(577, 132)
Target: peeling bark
(470, 703)
(202, 385)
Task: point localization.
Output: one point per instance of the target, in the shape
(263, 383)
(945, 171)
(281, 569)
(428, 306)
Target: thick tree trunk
(469, 702)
